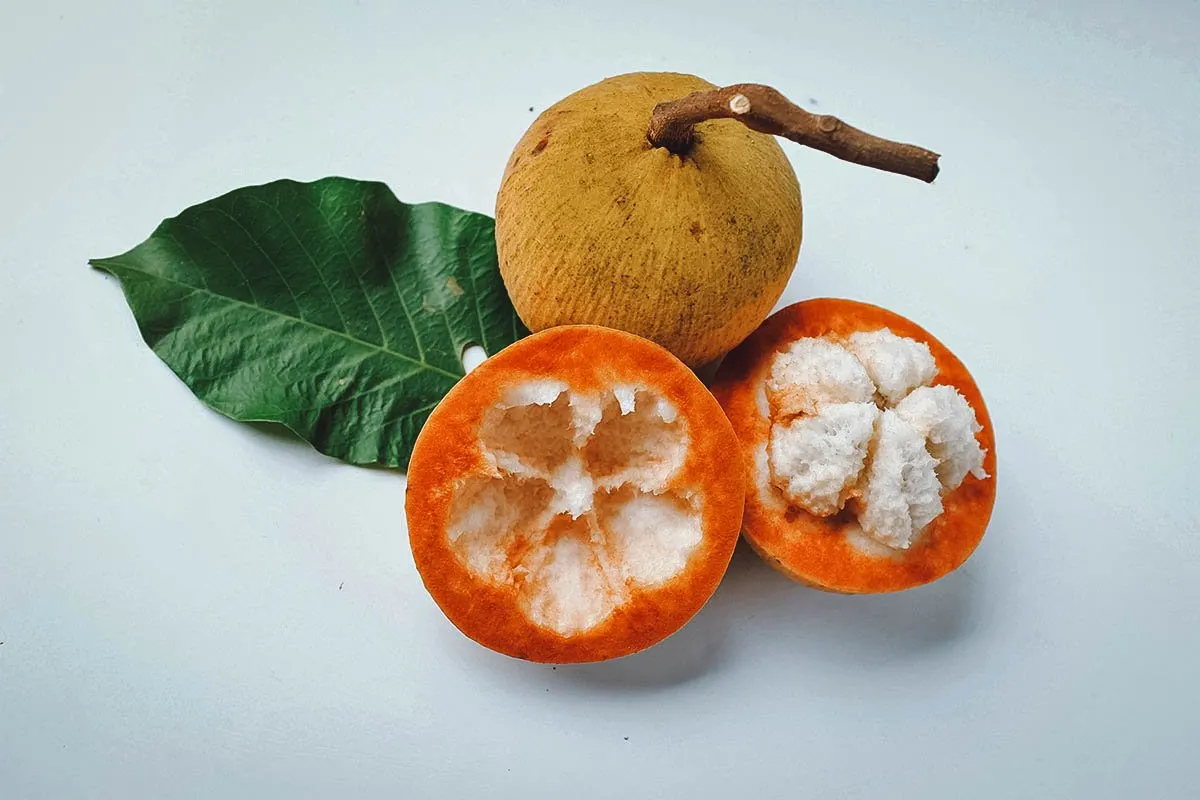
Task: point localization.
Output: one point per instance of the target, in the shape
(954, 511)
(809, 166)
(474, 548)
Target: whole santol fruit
(569, 500)
(868, 451)
(639, 203)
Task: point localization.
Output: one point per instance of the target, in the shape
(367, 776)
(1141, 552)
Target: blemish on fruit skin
(695, 229)
(621, 200)
(540, 146)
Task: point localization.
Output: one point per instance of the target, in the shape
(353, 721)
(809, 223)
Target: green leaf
(330, 307)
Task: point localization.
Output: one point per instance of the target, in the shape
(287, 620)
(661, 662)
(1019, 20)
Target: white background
(195, 608)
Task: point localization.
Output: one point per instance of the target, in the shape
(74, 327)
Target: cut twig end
(739, 104)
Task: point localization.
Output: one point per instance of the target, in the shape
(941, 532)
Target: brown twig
(766, 110)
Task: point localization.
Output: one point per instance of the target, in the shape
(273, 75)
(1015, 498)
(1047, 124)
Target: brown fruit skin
(594, 225)
(814, 550)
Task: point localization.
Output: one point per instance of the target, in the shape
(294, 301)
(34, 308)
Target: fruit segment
(830, 444)
(816, 459)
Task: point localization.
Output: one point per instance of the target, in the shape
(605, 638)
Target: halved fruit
(570, 499)
(868, 451)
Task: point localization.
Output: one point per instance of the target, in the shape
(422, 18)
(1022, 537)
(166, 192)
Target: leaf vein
(337, 234)
(361, 342)
(271, 261)
(328, 289)
(476, 298)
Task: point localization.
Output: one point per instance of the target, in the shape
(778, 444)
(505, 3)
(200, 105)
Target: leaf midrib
(104, 262)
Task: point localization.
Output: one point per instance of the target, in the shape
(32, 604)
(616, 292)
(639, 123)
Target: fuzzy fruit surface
(595, 225)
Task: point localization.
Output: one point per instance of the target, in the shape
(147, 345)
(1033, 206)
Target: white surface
(195, 608)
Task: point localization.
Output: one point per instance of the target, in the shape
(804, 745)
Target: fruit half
(569, 500)
(868, 451)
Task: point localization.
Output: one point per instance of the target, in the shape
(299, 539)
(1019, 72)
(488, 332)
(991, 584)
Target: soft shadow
(862, 630)
(282, 436)
(689, 654)
(757, 608)
(279, 434)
